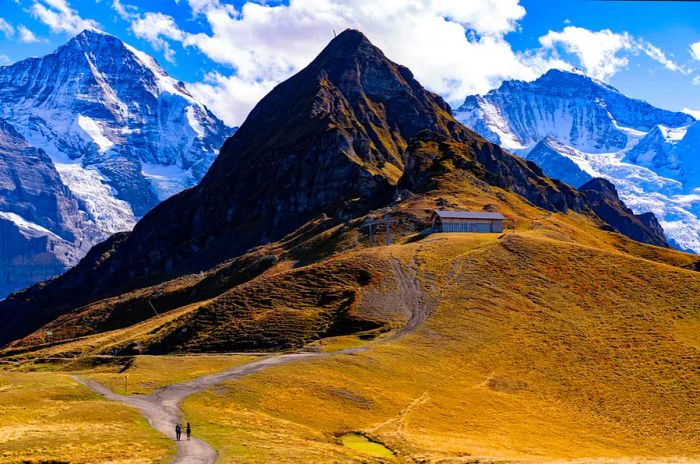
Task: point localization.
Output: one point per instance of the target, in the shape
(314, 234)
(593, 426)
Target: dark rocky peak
(361, 70)
(601, 196)
(10, 138)
(335, 140)
(602, 187)
(369, 104)
(550, 154)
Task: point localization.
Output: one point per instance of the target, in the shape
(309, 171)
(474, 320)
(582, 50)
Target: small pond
(365, 445)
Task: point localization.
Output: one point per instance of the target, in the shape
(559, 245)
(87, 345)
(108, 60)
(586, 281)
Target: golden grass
(559, 342)
(538, 350)
(143, 374)
(50, 417)
(331, 344)
(73, 352)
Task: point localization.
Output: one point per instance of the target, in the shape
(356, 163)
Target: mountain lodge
(467, 221)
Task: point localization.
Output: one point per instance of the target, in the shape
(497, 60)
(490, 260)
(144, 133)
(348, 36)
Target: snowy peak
(574, 126)
(118, 131)
(110, 61)
(99, 102)
(568, 106)
(562, 162)
(573, 79)
(106, 54)
(656, 150)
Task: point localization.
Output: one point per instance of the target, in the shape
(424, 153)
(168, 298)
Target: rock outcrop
(602, 198)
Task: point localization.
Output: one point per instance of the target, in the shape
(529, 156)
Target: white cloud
(454, 47)
(4, 59)
(60, 17)
(596, 51)
(126, 12)
(658, 55)
(6, 28)
(695, 50)
(155, 28)
(603, 53)
(696, 80)
(230, 98)
(26, 35)
(693, 113)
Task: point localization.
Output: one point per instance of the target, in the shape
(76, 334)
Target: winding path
(162, 407)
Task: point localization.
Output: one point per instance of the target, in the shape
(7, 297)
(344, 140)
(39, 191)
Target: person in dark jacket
(189, 430)
(178, 431)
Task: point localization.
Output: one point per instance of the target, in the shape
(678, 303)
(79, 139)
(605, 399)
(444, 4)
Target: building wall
(472, 225)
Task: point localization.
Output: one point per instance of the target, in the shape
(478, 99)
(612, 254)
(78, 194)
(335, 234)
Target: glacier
(577, 127)
(117, 135)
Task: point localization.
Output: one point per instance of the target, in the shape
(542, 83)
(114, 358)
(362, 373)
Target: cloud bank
(454, 47)
(602, 53)
(60, 17)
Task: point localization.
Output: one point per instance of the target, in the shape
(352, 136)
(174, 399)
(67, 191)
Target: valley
(452, 390)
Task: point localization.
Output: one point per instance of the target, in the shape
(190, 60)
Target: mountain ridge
(348, 135)
(648, 153)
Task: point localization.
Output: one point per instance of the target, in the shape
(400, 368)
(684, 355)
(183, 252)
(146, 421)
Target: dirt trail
(162, 407)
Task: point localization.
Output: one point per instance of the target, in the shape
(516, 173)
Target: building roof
(469, 215)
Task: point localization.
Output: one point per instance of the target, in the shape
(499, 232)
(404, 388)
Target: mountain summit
(121, 134)
(577, 127)
(570, 107)
(349, 134)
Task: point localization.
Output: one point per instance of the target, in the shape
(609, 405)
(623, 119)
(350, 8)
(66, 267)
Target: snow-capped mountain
(119, 133)
(576, 127)
(42, 229)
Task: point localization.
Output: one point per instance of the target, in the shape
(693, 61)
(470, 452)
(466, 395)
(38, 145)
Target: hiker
(189, 430)
(178, 431)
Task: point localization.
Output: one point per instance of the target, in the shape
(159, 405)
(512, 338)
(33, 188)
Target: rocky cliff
(40, 219)
(339, 139)
(116, 132)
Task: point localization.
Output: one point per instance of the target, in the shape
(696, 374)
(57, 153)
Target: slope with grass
(523, 359)
(48, 417)
(562, 339)
(343, 138)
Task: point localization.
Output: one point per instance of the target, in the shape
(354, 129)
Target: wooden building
(467, 221)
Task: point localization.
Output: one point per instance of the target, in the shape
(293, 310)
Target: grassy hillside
(304, 287)
(50, 418)
(555, 341)
(522, 359)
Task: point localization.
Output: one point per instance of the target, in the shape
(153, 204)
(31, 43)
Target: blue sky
(232, 53)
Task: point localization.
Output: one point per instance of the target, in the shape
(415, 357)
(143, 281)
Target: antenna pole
(386, 221)
(388, 230)
(153, 307)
